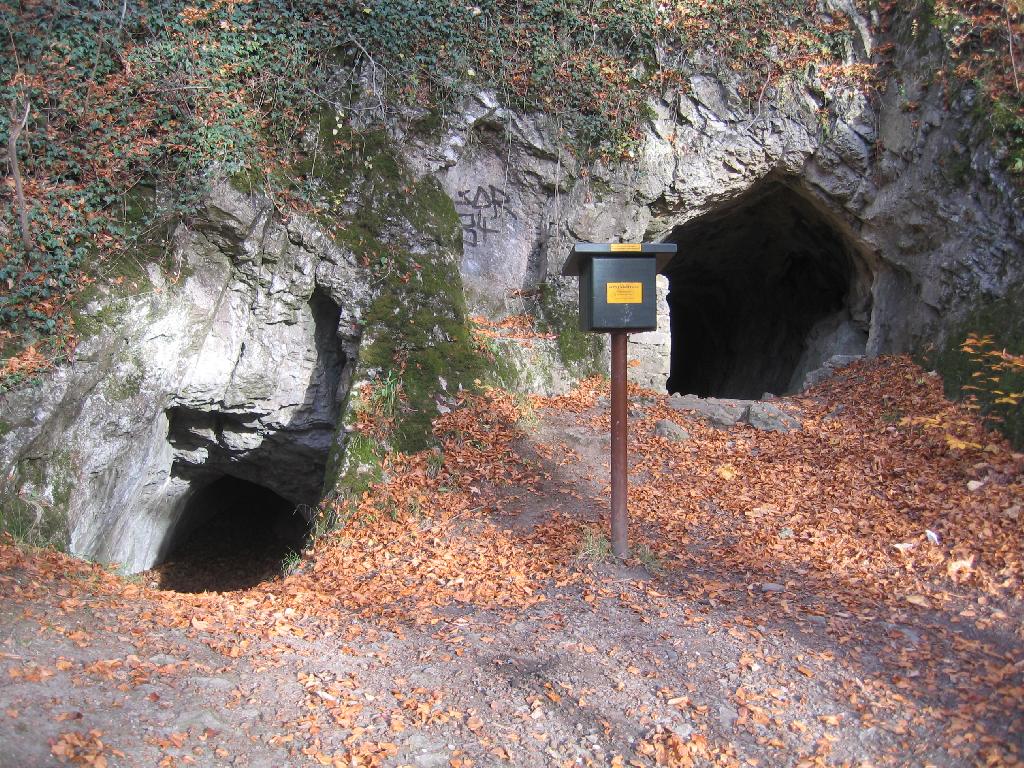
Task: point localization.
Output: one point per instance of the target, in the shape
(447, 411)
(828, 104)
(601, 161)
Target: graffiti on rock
(480, 212)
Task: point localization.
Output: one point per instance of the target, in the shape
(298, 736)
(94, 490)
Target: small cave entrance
(232, 534)
(247, 472)
(760, 293)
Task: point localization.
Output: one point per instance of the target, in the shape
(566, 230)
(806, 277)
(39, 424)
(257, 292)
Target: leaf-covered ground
(849, 594)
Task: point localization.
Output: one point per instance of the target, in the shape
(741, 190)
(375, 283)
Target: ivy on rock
(165, 94)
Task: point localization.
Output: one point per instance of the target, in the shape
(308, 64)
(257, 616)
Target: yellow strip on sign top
(626, 247)
(625, 293)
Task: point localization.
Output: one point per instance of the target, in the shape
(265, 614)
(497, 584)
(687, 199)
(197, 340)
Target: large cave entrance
(760, 293)
(232, 535)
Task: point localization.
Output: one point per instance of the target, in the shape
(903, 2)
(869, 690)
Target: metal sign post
(620, 461)
(618, 296)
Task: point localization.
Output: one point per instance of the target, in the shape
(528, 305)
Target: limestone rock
(829, 340)
(241, 370)
(529, 366)
(767, 417)
(671, 431)
(650, 353)
(827, 370)
(723, 413)
(719, 413)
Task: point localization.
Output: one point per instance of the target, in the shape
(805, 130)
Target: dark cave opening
(232, 534)
(246, 474)
(759, 293)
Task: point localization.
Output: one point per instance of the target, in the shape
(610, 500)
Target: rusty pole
(619, 461)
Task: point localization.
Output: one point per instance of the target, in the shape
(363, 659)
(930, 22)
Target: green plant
(329, 516)
(384, 395)
(594, 546)
(435, 462)
(1007, 122)
(648, 558)
(33, 522)
(290, 563)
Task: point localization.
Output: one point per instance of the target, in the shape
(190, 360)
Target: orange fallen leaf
(919, 600)
(963, 564)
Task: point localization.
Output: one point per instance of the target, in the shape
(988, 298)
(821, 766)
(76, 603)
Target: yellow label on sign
(626, 247)
(625, 293)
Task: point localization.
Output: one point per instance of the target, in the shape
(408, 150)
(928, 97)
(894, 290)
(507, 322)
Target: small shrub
(31, 522)
(384, 396)
(329, 517)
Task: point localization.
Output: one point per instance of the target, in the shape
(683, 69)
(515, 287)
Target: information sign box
(617, 284)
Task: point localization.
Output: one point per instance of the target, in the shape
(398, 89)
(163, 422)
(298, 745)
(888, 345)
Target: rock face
(804, 230)
(813, 226)
(239, 370)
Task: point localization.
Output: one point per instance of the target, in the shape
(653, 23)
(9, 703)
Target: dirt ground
(848, 594)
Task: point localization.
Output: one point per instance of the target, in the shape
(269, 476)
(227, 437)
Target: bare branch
(1013, 59)
(17, 126)
(378, 90)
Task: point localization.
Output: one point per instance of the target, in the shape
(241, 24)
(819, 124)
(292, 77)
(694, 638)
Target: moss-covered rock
(356, 465)
(124, 273)
(415, 331)
(34, 501)
(581, 353)
(126, 379)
